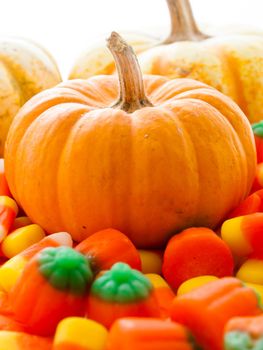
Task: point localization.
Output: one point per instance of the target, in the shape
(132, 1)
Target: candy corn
(244, 234)
(8, 212)
(252, 204)
(163, 294)
(251, 271)
(21, 239)
(12, 269)
(23, 341)
(194, 283)
(4, 189)
(78, 333)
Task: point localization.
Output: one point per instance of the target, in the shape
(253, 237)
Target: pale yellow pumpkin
(25, 69)
(232, 63)
(97, 59)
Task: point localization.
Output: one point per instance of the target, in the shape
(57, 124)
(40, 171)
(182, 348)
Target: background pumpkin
(25, 69)
(76, 165)
(232, 63)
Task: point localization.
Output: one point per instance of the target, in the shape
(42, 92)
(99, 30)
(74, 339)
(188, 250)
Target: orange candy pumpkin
(165, 155)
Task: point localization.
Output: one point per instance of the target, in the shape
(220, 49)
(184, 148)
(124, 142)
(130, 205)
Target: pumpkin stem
(132, 95)
(183, 24)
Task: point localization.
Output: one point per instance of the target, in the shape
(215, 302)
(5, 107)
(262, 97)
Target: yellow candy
(251, 271)
(194, 283)
(83, 333)
(151, 261)
(22, 238)
(10, 271)
(257, 287)
(233, 236)
(157, 280)
(9, 202)
(10, 340)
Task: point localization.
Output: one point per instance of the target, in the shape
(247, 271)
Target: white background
(67, 27)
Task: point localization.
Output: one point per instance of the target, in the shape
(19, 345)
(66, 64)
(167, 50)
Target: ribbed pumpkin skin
(78, 168)
(231, 64)
(25, 70)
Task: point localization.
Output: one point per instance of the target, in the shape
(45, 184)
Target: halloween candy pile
(204, 291)
(131, 205)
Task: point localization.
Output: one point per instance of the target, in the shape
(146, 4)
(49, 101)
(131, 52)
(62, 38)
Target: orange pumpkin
(174, 154)
(25, 69)
(232, 63)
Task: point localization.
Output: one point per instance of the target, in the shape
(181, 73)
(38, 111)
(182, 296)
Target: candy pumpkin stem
(132, 95)
(184, 27)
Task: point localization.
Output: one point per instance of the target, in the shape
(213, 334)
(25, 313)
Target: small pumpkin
(150, 162)
(53, 286)
(232, 63)
(25, 69)
(121, 292)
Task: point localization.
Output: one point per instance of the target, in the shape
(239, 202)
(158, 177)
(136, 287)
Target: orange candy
(196, 252)
(52, 286)
(10, 340)
(258, 181)
(148, 333)
(163, 294)
(8, 212)
(121, 292)
(207, 309)
(4, 189)
(252, 204)
(244, 234)
(105, 248)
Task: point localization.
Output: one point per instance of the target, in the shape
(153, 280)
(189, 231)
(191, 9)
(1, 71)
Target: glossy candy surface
(77, 333)
(148, 333)
(206, 310)
(22, 238)
(244, 234)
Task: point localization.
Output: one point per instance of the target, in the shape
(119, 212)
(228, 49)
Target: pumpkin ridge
(231, 63)
(69, 116)
(41, 102)
(65, 197)
(169, 99)
(27, 81)
(224, 120)
(92, 90)
(213, 100)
